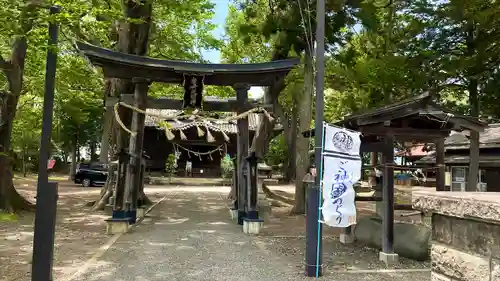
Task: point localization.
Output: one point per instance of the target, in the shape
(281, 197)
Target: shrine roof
(420, 114)
(127, 66)
(421, 105)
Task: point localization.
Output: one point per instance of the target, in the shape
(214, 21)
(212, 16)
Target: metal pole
(314, 258)
(46, 195)
(48, 101)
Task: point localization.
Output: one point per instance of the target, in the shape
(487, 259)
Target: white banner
(340, 140)
(340, 172)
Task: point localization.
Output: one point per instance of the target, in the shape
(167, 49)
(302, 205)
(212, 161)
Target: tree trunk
(72, 167)
(13, 70)
(474, 111)
(106, 131)
(25, 154)
(143, 197)
(289, 132)
(303, 103)
(78, 156)
(472, 180)
(92, 151)
(262, 137)
(133, 38)
(10, 200)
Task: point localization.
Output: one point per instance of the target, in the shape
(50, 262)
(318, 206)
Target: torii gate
(144, 70)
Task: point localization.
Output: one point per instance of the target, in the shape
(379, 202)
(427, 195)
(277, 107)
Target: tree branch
(3, 63)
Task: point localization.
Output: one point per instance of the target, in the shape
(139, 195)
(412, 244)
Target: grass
(55, 177)
(7, 217)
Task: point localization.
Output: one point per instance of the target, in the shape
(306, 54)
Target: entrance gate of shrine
(193, 76)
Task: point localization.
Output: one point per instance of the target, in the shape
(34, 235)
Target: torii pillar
(134, 177)
(243, 139)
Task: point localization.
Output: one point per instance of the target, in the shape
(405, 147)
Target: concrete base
(252, 226)
(141, 212)
(346, 238)
(388, 259)
(234, 215)
(114, 226)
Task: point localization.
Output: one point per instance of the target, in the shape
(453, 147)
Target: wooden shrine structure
(204, 147)
(418, 119)
(143, 71)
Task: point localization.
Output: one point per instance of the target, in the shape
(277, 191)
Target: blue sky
(221, 11)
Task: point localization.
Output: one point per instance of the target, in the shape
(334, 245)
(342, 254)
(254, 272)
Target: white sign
(342, 168)
(340, 140)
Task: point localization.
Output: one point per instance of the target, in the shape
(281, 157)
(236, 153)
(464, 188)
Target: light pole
(314, 231)
(46, 193)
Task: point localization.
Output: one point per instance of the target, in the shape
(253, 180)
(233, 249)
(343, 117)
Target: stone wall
(465, 234)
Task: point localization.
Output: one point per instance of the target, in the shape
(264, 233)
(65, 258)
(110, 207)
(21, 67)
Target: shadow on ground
(189, 236)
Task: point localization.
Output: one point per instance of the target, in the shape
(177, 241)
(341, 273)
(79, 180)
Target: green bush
(171, 166)
(227, 167)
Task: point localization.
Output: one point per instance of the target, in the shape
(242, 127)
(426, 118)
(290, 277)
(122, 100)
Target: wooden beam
(388, 197)
(400, 133)
(208, 105)
(372, 147)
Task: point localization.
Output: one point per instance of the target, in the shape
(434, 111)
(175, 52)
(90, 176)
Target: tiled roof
(459, 159)
(490, 138)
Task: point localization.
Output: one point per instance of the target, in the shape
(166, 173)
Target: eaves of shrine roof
(421, 110)
(422, 105)
(127, 66)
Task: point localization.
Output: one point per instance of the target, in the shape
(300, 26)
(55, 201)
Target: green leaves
(181, 29)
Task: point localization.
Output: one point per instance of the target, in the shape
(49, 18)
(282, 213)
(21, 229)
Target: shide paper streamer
(342, 169)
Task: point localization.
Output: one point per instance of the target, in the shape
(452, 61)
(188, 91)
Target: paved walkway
(189, 236)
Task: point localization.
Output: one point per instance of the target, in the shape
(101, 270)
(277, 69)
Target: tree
(17, 22)
(140, 31)
(291, 25)
(25, 142)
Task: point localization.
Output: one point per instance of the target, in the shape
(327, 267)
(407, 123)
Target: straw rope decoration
(197, 120)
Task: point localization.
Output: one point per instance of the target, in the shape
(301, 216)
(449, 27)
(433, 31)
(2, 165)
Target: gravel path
(189, 236)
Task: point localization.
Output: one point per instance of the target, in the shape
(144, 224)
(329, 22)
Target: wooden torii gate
(143, 71)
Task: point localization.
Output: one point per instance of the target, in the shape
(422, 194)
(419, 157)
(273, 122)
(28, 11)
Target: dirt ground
(79, 232)
(285, 234)
(281, 224)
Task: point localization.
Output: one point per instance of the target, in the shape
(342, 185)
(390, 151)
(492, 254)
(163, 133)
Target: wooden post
(387, 255)
(119, 202)
(133, 178)
(440, 171)
(252, 212)
(235, 183)
(243, 145)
